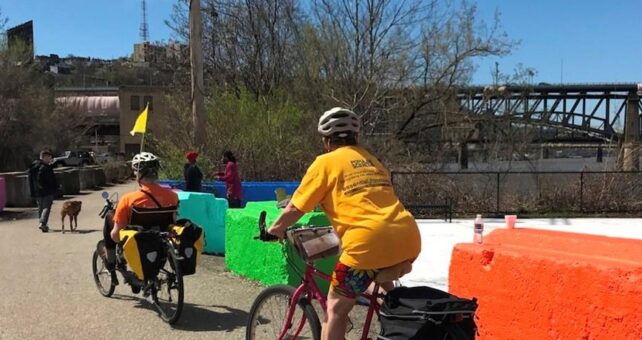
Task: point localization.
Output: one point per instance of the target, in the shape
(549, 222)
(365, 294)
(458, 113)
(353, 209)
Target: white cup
(510, 221)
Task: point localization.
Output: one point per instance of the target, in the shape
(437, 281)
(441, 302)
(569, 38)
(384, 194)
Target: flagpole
(140, 126)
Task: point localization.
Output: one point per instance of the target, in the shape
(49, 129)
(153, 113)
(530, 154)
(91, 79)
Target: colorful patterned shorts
(350, 282)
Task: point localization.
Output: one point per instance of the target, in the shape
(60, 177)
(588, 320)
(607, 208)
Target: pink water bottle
(479, 230)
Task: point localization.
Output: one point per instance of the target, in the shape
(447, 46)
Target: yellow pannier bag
(143, 253)
(189, 243)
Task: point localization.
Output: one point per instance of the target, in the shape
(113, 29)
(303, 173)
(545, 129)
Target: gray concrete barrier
(3, 193)
(87, 178)
(99, 176)
(17, 189)
(69, 180)
(111, 173)
(124, 171)
(74, 181)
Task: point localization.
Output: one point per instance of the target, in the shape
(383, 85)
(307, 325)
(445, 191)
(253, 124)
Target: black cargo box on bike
(189, 243)
(142, 250)
(426, 313)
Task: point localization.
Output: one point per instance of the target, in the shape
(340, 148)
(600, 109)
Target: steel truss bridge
(605, 111)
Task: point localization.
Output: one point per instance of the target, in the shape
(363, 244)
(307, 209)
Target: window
(131, 150)
(135, 103)
(150, 100)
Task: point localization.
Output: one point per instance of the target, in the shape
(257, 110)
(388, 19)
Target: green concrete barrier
(209, 213)
(266, 262)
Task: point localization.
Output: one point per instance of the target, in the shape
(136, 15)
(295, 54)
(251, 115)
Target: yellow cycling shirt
(355, 192)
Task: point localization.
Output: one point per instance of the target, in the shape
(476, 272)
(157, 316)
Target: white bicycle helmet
(337, 120)
(145, 161)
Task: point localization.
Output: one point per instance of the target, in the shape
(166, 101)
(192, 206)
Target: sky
(565, 41)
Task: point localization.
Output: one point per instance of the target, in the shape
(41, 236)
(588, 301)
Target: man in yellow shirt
(355, 192)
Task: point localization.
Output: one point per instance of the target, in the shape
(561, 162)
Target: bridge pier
(631, 148)
(463, 156)
(600, 154)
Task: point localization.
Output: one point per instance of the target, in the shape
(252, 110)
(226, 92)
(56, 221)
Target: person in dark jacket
(232, 180)
(43, 185)
(191, 172)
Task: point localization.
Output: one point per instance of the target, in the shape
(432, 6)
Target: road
(47, 290)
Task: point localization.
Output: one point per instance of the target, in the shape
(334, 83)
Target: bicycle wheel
(104, 278)
(269, 311)
(168, 293)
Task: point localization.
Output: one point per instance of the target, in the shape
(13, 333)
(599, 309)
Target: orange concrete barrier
(536, 284)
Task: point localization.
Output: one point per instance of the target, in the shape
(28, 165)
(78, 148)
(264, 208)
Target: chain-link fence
(523, 192)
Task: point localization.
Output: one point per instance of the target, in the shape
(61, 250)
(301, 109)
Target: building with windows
(149, 53)
(133, 100)
(109, 113)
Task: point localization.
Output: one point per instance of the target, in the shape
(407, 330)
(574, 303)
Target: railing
(524, 192)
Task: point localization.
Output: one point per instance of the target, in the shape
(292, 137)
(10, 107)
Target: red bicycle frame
(310, 291)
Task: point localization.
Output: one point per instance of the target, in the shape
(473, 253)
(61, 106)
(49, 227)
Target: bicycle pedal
(349, 326)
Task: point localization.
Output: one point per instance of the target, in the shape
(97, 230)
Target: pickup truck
(74, 158)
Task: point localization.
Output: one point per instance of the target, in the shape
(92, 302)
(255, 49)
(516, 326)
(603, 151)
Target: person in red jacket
(232, 180)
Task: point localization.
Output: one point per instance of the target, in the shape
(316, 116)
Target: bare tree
(30, 118)
(247, 43)
(396, 62)
(450, 43)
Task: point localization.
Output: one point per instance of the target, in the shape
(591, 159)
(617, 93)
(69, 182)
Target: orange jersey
(166, 197)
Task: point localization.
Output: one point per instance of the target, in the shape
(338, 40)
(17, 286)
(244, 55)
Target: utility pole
(196, 60)
(144, 28)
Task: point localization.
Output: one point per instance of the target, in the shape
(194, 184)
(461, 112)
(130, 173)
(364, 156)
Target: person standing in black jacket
(191, 172)
(43, 185)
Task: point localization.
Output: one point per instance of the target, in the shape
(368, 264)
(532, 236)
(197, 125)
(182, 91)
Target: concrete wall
(535, 284)
(87, 178)
(15, 191)
(69, 179)
(3, 194)
(100, 179)
(18, 193)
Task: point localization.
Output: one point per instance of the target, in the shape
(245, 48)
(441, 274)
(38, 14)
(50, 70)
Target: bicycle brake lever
(263, 234)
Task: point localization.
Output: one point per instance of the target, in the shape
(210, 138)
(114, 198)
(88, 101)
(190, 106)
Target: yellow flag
(141, 122)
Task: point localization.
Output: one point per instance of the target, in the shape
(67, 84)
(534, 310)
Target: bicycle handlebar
(263, 234)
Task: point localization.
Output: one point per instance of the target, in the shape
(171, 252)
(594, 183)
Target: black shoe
(135, 289)
(44, 228)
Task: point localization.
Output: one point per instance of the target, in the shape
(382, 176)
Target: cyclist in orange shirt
(149, 195)
(355, 192)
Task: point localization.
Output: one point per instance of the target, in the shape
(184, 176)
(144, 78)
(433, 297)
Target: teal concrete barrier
(209, 213)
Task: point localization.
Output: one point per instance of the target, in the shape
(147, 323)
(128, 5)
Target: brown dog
(71, 209)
